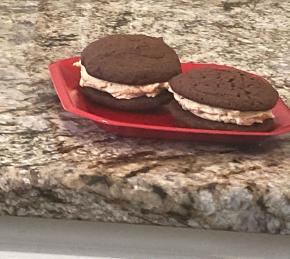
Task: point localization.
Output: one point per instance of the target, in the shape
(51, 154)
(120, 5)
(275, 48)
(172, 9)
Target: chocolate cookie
(230, 89)
(131, 59)
(187, 119)
(135, 104)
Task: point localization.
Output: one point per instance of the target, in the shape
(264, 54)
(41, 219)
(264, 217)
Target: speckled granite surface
(53, 164)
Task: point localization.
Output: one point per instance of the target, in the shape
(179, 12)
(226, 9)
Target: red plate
(65, 78)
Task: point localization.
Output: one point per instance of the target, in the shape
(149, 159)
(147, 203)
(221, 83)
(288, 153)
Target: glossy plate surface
(161, 124)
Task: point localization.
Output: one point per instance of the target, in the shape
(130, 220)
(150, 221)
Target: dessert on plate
(209, 98)
(128, 72)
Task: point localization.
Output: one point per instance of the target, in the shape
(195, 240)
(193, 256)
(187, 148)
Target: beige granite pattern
(54, 164)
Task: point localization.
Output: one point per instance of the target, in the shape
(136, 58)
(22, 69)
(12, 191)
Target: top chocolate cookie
(229, 89)
(131, 59)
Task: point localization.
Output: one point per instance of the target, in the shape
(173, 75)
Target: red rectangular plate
(161, 124)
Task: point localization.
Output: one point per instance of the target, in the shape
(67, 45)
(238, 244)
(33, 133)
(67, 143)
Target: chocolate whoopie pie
(223, 99)
(128, 72)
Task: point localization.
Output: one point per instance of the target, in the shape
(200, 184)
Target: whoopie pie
(223, 99)
(128, 72)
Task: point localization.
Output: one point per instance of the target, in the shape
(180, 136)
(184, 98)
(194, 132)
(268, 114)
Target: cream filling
(119, 91)
(222, 115)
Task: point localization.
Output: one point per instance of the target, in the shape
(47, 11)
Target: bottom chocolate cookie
(187, 119)
(136, 104)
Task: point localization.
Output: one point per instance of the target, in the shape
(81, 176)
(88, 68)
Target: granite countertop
(55, 164)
